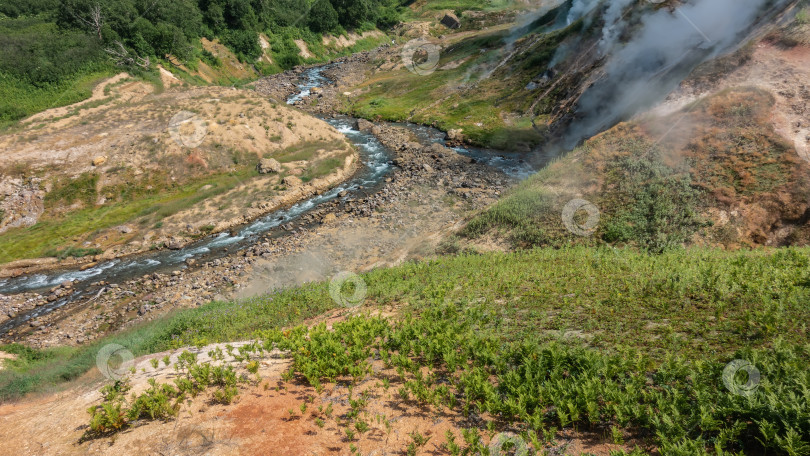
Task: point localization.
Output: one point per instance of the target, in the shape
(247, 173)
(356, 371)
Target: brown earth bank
(743, 134)
(140, 170)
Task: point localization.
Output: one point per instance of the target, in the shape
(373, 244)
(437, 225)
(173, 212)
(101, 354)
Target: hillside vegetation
(724, 178)
(600, 340)
(51, 50)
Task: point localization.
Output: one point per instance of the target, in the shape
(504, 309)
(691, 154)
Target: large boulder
(363, 125)
(268, 166)
(292, 182)
(451, 21)
(455, 135)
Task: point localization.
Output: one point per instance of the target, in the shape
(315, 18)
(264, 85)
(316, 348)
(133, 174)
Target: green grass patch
(323, 167)
(68, 190)
(46, 370)
(489, 102)
(21, 100)
(305, 150)
(49, 235)
(550, 339)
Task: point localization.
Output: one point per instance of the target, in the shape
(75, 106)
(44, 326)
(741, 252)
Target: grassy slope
(491, 107)
(675, 319)
(57, 232)
(28, 100)
(725, 154)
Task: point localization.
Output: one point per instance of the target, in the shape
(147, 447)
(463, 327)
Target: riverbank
(143, 171)
(431, 190)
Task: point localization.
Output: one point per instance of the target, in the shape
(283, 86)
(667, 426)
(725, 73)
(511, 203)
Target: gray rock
(451, 21)
(268, 166)
(363, 125)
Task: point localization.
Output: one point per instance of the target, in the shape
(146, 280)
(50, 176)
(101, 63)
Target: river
(376, 160)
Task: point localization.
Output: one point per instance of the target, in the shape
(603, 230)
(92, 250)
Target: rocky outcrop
(292, 182)
(363, 125)
(268, 166)
(21, 203)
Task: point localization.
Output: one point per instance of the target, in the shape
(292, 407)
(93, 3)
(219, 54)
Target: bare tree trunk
(94, 19)
(122, 57)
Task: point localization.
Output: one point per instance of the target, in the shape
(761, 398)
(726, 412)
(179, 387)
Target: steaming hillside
(712, 91)
(559, 72)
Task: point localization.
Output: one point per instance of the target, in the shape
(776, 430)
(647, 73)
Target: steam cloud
(669, 45)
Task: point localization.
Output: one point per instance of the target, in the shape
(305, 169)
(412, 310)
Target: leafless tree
(123, 57)
(94, 19)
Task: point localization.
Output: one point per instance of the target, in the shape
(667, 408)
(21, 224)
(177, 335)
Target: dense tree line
(159, 27)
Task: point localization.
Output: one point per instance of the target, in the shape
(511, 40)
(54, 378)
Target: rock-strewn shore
(428, 194)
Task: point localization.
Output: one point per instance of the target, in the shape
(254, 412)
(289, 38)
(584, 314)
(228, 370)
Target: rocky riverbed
(430, 192)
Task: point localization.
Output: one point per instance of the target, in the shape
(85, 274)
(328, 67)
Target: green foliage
(69, 190)
(499, 343)
(643, 202)
(245, 43)
(38, 53)
(38, 370)
(43, 67)
(681, 402)
(161, 401)
(48, 48)
(323, 17)
(75, 252)
(657, 205)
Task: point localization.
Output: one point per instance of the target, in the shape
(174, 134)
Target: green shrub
(244, 43)
(657, 205)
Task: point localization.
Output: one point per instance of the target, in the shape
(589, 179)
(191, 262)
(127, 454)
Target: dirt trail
(98, 95)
